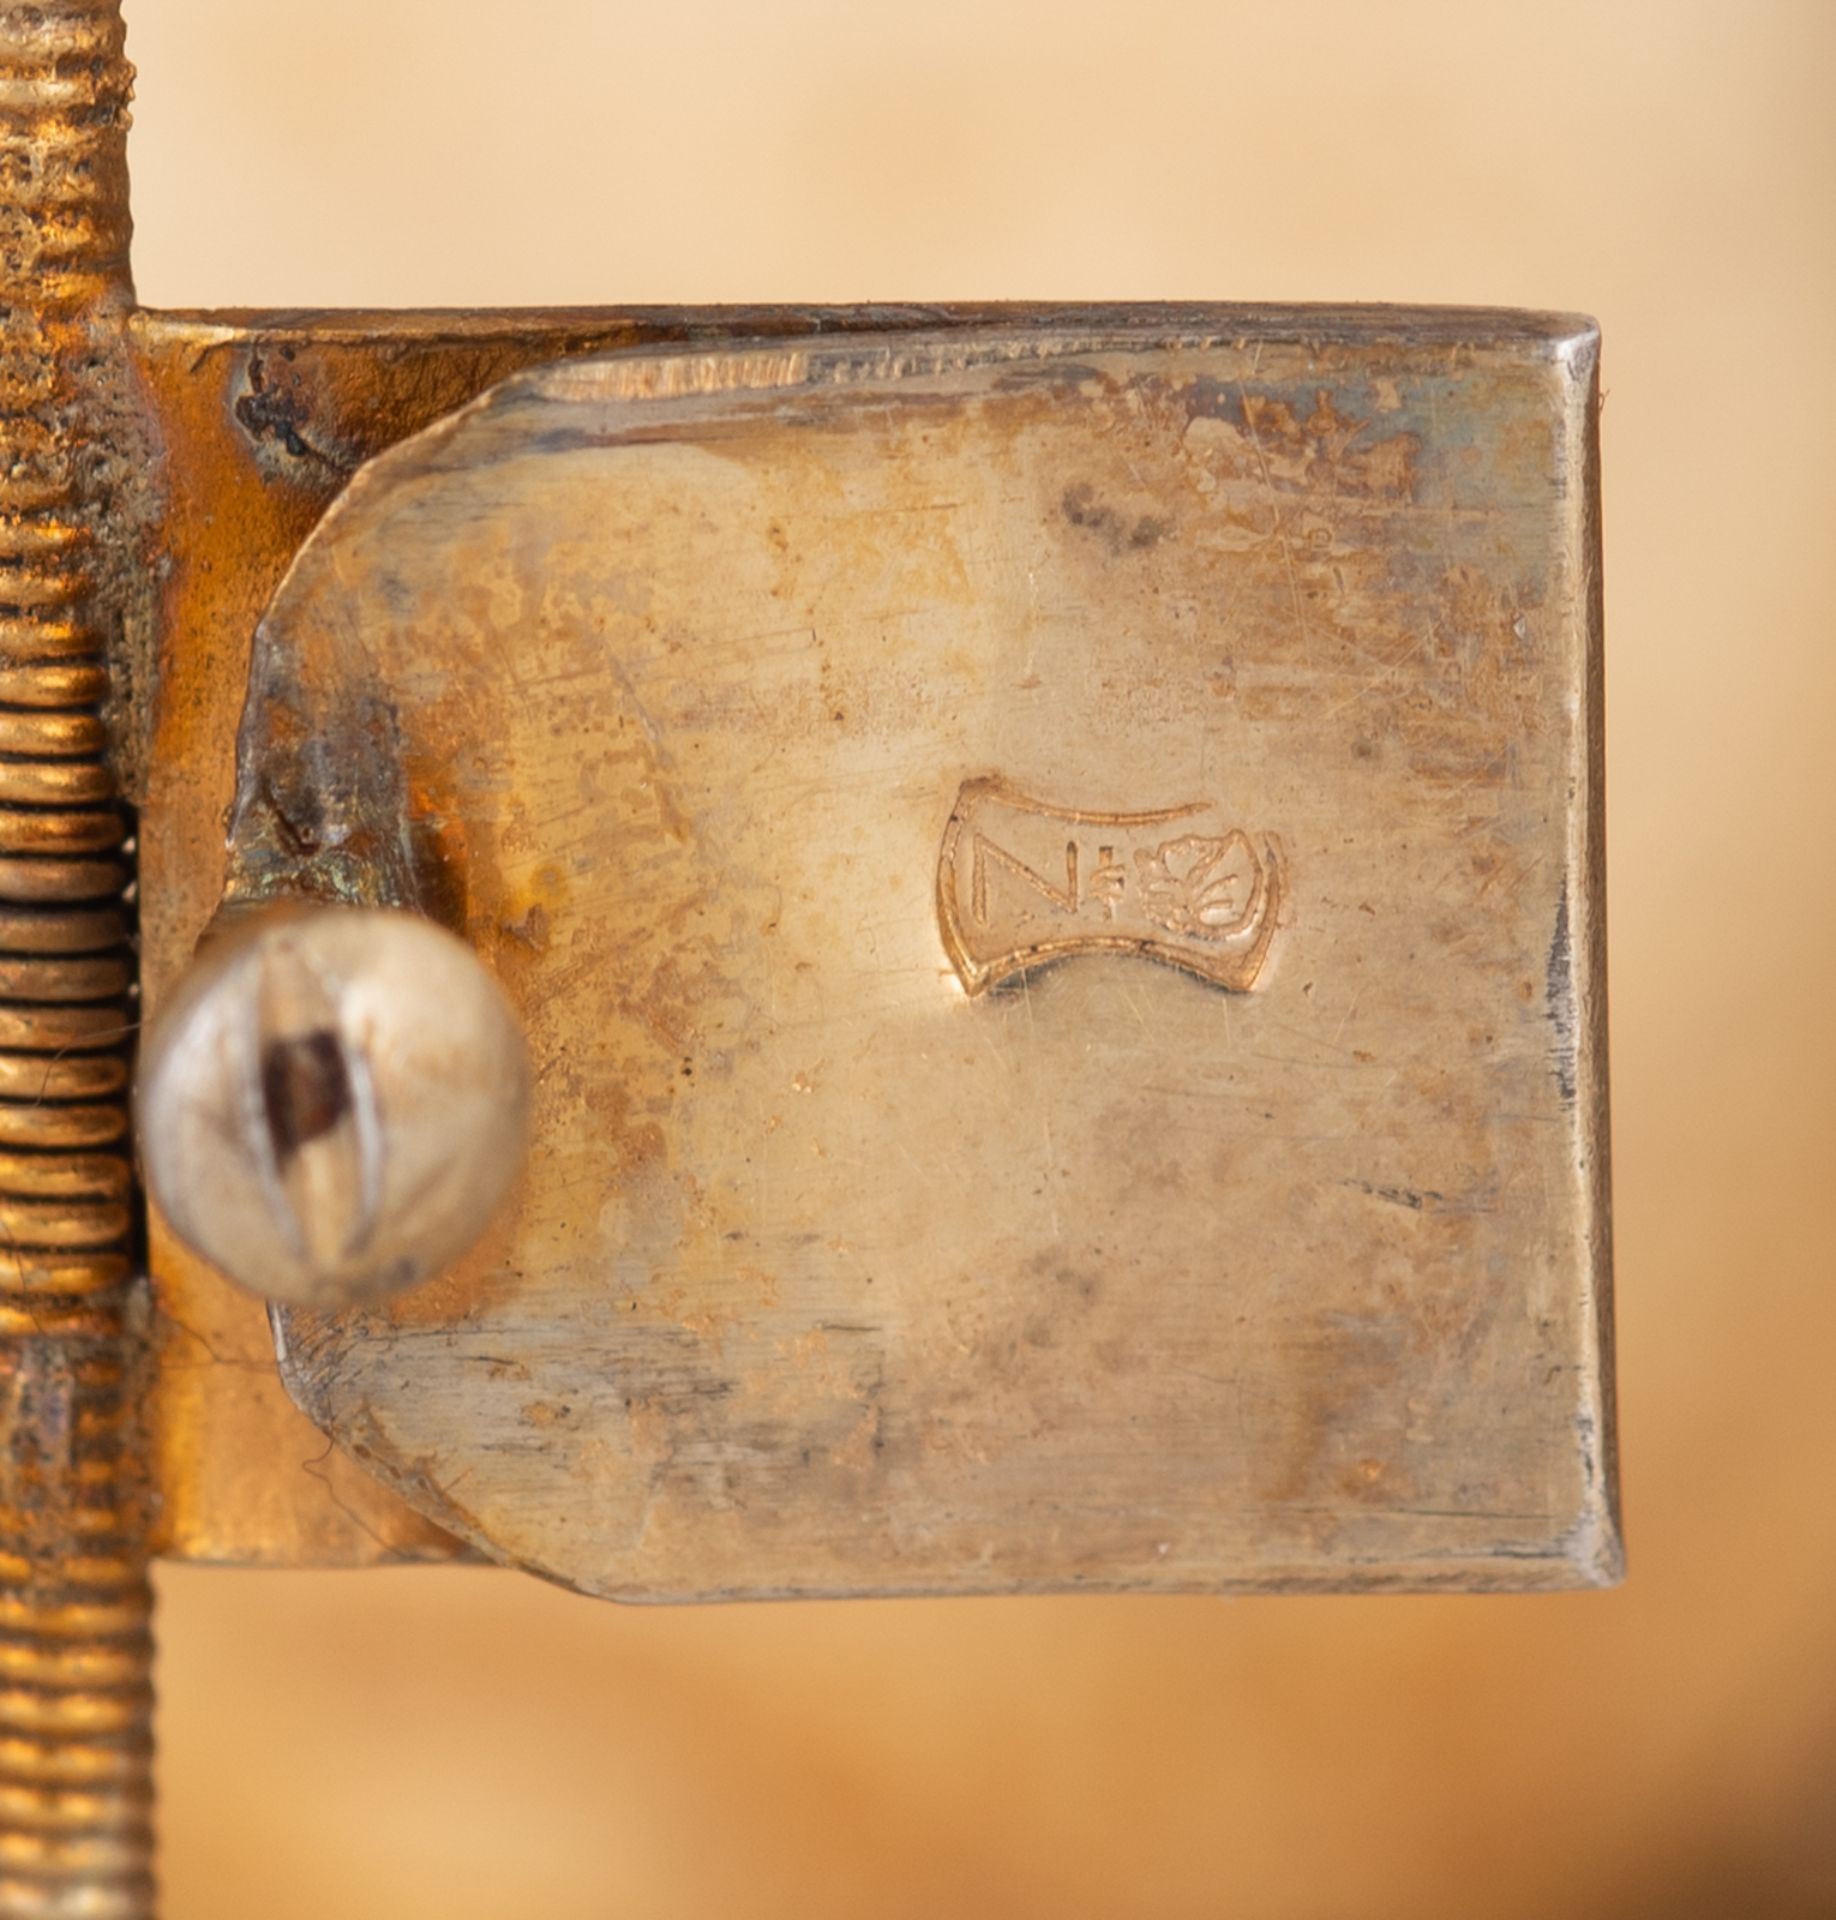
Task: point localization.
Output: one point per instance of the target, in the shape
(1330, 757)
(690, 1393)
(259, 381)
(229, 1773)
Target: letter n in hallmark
(1021, 882)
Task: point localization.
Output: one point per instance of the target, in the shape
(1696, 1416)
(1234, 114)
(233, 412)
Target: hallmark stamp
(1021, 883)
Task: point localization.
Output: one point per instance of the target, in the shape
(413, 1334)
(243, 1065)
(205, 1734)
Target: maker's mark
(1020, 882)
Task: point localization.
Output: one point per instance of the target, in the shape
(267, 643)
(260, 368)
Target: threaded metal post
(75, 1652)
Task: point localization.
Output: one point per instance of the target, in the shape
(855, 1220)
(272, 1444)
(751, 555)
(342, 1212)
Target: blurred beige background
(470, 1744)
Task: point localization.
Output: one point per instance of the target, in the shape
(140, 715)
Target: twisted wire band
(75, 1653)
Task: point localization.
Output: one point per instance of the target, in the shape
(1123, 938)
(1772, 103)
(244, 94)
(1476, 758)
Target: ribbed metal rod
(75, 1652)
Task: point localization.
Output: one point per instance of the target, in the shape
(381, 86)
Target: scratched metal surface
(262, 417)
(261, 420)
(664, 677)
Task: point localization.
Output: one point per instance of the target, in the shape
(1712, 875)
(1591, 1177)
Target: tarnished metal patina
(1044, 863)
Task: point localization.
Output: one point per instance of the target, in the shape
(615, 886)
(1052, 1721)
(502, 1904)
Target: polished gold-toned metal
(75, 1692)
(334, 1103)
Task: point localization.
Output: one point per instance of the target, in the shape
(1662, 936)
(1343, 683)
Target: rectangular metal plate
(1054, 882)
